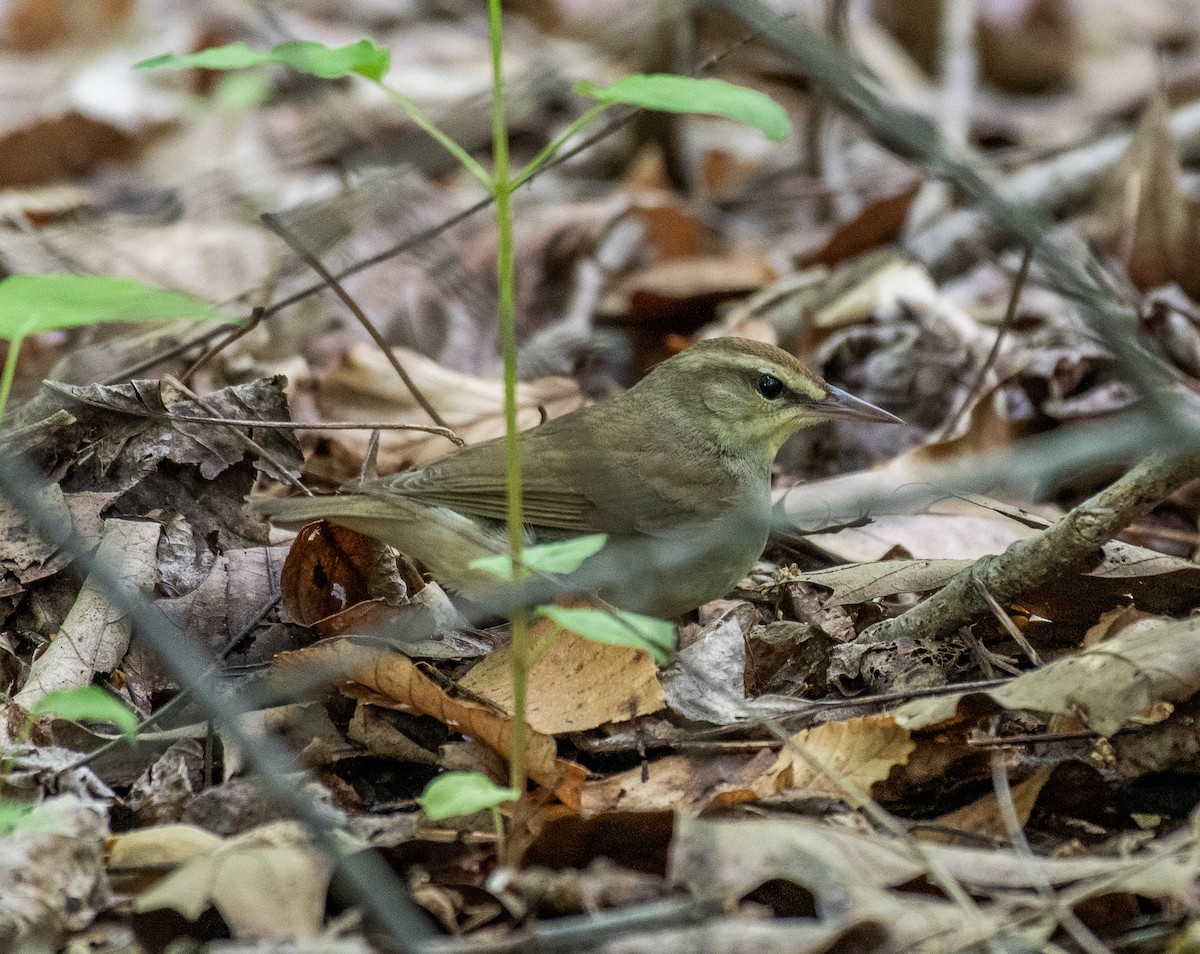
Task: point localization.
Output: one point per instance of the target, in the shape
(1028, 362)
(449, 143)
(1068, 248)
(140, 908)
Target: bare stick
(1070, 546)
(275, 225)
(976, 387)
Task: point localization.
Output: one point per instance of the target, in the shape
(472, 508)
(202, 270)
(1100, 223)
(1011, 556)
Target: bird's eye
(769, 386)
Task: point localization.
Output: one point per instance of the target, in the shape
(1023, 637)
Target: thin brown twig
(238, 332)
(315, 426)
(976, 388)
(275, 224)
(1009, 626)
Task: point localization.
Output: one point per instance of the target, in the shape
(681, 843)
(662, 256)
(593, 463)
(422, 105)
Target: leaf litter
(916, 793)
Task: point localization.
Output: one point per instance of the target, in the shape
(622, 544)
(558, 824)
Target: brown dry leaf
(578, 684)
(394, 680)
(665, 289)
(982, 816)
(328, 568)
(366, 388)
(1144, 214)
(879, 223)
(683, 783)
(1110, 683)
(861, 751)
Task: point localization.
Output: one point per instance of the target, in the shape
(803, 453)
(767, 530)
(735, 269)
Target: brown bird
(677, 472)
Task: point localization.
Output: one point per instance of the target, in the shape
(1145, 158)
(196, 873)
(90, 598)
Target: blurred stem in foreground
(502, 189)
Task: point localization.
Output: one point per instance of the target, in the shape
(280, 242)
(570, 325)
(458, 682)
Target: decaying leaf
(1108, 684)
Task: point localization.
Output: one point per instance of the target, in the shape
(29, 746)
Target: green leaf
(12, 814)
(316, 59)
(33, 303)
(463, 793)
(564, 557)
(668, 93)
(618, 627)
(88, 703)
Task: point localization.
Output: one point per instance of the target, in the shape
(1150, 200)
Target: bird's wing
(473, 482)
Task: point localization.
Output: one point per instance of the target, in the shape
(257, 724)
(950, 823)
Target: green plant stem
(417, 115)
(498, 826)
(10, 372)
(556, 143)
(502, 188)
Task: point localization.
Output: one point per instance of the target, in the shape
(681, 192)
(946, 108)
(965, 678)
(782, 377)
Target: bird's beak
(841, 404)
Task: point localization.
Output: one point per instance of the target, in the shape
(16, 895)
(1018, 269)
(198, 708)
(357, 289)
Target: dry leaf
(366, 388)
(682, 783)
(982, 816)
(95, 636)
(393, 679)
(1110, 683)
(861, 751)
(267, 883)
(578, 684)
(863, 582)
(1144, 214)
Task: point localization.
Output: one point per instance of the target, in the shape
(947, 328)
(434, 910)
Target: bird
(676, 471)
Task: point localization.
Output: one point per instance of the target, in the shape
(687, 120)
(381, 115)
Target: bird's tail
(445, 541)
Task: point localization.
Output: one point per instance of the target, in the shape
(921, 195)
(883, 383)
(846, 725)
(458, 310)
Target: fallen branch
(1070, 546)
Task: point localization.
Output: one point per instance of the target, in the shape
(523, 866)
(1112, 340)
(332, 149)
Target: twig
(314, 426)
(1069, 546)
(976, 388)
(275, 224)
(240, 331)
(584, 932)
(1009, 626)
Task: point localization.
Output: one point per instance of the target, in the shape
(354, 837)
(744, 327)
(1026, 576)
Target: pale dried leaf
(366, 388)
(578, 684)
(171, 844)
(863, 582)
(861, 751)
(95, 634)
(1108, 684)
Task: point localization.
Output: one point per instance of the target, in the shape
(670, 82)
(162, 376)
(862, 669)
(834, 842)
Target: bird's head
(751, 397)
